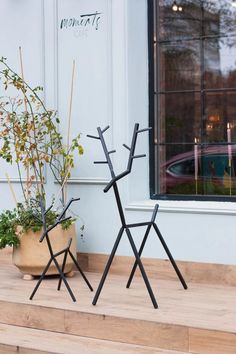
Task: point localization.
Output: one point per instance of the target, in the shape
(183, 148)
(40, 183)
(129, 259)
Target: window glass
(179, 117)
(194, 150)
(219, 18)
(180, 65)
(220, 62)
(220, 111)
(174, 25)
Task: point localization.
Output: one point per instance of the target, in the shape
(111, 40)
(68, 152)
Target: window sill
(186, 207)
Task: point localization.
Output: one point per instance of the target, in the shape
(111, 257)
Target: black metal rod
(48, 209)
(144, 130)
(80, 270)
(53, 227)
(144, 275)
(100, 134)
(114, 180)
(126, 146)
(154, 213)
(60, 252)
(66, 207)
(93, 137)
(40, 279)
(138, 224)
(119, 205)
(138, 156)
(63, 268)
(105, 129)
(100, 162)
(62, 276)
(132, 147)
(139, 253)
(170, 256)
(108, 265)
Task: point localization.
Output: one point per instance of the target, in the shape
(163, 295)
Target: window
(192, 60)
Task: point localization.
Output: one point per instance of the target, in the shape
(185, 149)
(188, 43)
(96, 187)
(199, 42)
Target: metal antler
(105, 149)
(59, 220)
(108, 161)
(131, 157)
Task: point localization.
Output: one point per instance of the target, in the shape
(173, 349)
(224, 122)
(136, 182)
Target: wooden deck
(201, 319)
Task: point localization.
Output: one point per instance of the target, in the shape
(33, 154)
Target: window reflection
(214, 175)
(220, 62)
(219, 18)
(220, 109)
(180, 24)
(196, 98)
(180, 65)
(179, 117)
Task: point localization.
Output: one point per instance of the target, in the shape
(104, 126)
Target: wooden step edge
(14, 339)
(145, 333)
(193, 272)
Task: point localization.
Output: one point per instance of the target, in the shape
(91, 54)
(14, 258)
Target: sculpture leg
(40, 279)
(63, 268)
(170, 256)
(139, 253)
(108, 266)
(80, 270)
(139, 262)
(62, 276)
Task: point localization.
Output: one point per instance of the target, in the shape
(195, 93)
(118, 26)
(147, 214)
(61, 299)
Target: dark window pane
(180, 66)
(220, 62)
(220, 110)
(179, 24)
(219, 18)
(180, 115)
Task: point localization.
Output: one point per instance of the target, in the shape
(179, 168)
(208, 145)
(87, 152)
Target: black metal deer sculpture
(53, 256)
(126, 227)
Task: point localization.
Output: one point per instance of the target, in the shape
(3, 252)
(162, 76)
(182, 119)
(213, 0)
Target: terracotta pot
(32, 256)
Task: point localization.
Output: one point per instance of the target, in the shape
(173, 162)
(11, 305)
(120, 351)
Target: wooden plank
(26, 341)
(11, 349)
(203, 273)
(211, 342)
(127, 330)
(122, 315)
(27, 315)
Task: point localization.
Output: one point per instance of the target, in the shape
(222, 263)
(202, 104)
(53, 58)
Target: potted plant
(30, 138)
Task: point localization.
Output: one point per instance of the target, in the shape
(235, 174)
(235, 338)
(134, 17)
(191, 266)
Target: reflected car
(214, 173)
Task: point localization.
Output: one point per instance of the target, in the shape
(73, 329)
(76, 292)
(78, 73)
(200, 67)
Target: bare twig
(11, 189)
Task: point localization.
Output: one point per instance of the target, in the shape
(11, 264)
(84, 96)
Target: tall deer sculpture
(126, 227)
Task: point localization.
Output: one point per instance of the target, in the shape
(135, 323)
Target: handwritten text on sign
(84, 21)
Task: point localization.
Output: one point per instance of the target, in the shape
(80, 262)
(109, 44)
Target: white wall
(21, 25)
(111, 88)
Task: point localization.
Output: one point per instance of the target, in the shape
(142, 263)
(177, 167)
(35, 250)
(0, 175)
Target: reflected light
(174, 6)
(214, 118)
(233, 3)
(209, 126)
